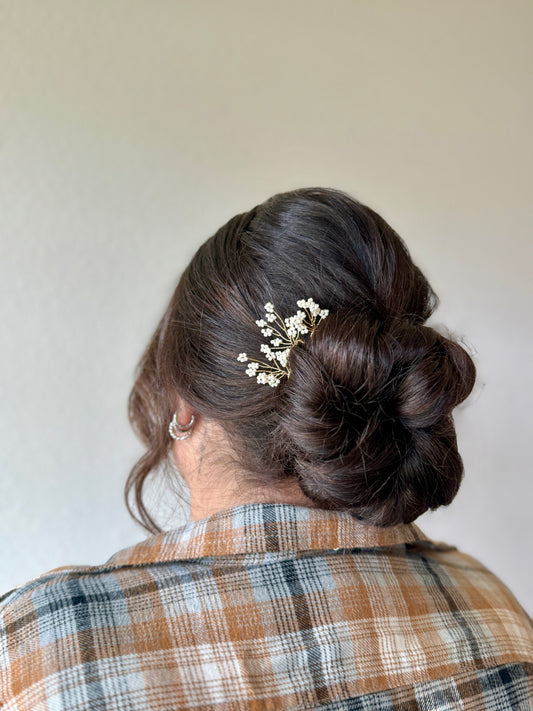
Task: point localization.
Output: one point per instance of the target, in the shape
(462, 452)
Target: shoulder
(65, 601)
(77, 618)
(132, 572)
(73, 587)
(38, 616)
(26, 612)
(448, 568)
(65, 581)
(23, 602)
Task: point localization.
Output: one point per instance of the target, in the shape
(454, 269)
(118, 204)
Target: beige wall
(131, 129)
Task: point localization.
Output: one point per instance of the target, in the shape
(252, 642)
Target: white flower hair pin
(286, 334)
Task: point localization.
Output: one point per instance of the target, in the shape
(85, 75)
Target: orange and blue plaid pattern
(269, 606)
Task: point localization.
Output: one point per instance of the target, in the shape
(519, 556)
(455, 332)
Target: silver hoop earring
(177, 431)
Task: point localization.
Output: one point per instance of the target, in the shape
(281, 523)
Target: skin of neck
(215, 485)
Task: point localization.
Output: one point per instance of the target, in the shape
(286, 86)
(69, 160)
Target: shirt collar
(265, 528)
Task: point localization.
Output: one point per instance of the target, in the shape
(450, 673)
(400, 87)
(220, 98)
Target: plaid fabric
(269, 606)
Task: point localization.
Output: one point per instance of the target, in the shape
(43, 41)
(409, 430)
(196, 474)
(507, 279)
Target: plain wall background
(131, 130)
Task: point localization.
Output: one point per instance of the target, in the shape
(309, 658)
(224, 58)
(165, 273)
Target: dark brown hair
(364, 421)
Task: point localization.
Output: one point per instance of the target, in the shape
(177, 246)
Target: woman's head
(363, 423)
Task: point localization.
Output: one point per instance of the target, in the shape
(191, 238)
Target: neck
(213, 485)
(208, 500)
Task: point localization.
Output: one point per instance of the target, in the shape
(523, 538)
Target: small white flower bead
(242, 357)
(261, 323)
(267, 331)
(269, 307)
(283, 357)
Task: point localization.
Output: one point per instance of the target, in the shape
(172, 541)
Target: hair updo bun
(363, 422)
(366, 416)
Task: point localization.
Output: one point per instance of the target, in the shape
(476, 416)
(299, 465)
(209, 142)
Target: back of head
(363, 422)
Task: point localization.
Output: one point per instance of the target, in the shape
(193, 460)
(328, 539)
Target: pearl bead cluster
(287, 333)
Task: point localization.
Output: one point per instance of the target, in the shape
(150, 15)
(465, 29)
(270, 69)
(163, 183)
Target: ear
(184, 449)
(185, 412)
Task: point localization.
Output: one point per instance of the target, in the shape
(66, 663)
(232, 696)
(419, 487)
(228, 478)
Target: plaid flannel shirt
(269, 606)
